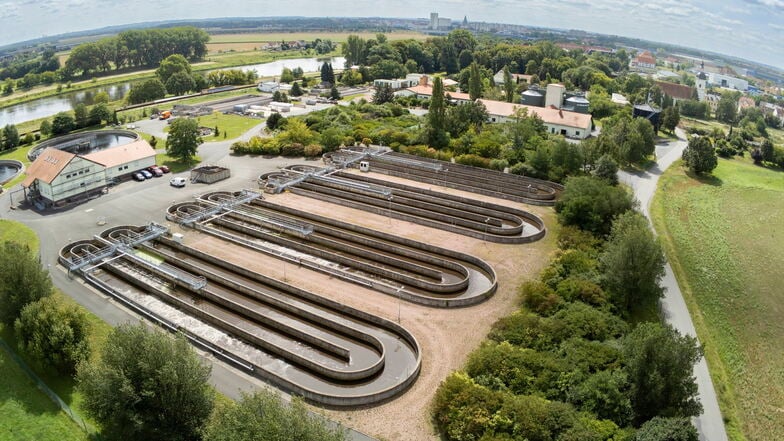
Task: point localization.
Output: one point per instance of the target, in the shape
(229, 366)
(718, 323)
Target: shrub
(591, 204)
(295, 149)
(502, 366)
(462, 408)
(473, 160)
(577, 289)
(499, 164)
(539, 298)
(312, 151)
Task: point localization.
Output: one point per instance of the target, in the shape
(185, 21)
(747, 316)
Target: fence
(50, 393)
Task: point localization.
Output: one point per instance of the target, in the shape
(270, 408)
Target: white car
(177, 182)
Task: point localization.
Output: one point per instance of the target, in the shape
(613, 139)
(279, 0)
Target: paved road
(710, 424)
(139, 203)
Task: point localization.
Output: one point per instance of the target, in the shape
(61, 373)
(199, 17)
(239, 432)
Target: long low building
(558, 121)
(57, 176)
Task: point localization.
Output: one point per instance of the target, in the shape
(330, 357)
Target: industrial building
(558, 121)
(57, 177)
(726, 81)
(556, 96)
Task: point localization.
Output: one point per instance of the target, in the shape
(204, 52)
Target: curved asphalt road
(710, 424)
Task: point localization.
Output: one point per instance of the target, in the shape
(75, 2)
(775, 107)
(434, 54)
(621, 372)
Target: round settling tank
(86, 142)
(578, 103)
(533, 98)
(9, 170)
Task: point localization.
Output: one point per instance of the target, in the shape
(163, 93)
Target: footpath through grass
(724, 238)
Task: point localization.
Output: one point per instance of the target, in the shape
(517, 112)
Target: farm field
(723, 238)
(337, 37)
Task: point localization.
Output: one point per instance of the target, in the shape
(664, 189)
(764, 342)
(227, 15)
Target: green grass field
(175, 165)
(25, 412)
(724, 239)
(231, 125)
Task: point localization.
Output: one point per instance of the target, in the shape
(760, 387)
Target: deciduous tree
(53, 333)
(591, 204)
(660, 364)
(183, 140)
(700, 156)
(147, 385)
(436, 117)
(22, 280)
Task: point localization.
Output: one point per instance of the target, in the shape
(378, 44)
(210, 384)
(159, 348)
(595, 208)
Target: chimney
(423, 80)
(560, 113)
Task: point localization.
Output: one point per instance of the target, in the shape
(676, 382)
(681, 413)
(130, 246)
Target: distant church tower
(702, 86)
(465, 22)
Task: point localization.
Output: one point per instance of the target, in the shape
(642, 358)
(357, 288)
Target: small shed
(209, 174)
(364, 166)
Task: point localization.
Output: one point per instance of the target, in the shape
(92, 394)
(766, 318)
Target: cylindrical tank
(578, 103)
(533, 98)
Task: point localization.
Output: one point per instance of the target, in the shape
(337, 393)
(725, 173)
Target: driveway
(710, 424)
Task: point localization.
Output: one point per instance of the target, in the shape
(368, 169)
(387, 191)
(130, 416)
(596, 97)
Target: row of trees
(569, 365)
(136, 48)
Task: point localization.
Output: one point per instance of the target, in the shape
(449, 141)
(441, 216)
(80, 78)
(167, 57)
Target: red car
(164, 168)
(155, 170)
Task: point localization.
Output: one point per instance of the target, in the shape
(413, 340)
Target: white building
(498, 78)
(726, 81)
(439, 24)
(557, 121)
(57, 176)
(269, 86)
(555, 95)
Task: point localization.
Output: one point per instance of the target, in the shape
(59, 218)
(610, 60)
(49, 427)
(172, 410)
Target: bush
(295, 149)
(312, 151)
(577, 289)
(591, 204)
(667, 429)
(539, 298)
(462, 409)
(571, 237)
(54, 334)
(504, 367)
(23, 281)
(473, 160)
(499, 164)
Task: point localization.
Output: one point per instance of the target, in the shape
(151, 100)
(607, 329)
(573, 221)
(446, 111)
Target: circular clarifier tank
(86, 142)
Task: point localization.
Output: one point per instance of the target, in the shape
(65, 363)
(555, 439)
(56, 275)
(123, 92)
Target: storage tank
(577, 104)
(555, 95)
(533, 98)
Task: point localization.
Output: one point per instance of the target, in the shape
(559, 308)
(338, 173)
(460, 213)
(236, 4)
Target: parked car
(164, 168)
(177, 182)
(157, 172)
(147, 174)
(138, 177)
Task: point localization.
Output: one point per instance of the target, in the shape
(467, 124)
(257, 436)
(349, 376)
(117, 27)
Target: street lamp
(487, 223)
(390, 209)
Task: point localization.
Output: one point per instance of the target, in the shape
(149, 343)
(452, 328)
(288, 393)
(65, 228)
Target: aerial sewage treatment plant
(210, 283)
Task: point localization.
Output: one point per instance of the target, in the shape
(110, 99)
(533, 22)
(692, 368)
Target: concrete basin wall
(67, 140)
(12, 163)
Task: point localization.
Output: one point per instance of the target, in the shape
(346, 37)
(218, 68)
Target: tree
(62, 123)
(436, 116)
(101, 98)
(727, 109)
(22, 280)
(474, 82)
(81, 115)
(171, 65)
(591, 204)
(766, 149)
(383, 94)
(334, 93)
(659, 362)
(274, 121)
(180, 83)
(149, 90)
(296, 90)
(297, 72)
(296, 132)
(331, 139)
(460, 118)
(632, 263)
(354, 50)
(628, 140)
(45, 128)
(327, 74)
(667, 429)
(286, 76)
(671, 116)
(607, 169)
(10, 137)
(263, 416)
(509, 86)
(183, 140)
(55, 334)
(147, 385)
(700, 156)
(100, 113)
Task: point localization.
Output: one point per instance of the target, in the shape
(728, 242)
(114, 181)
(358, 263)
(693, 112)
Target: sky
(750, 29)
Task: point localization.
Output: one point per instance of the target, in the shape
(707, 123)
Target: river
(46, 107)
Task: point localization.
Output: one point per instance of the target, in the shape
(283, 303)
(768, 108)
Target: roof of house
(646, 57)
(449, 82)
(47, 166)
(428, 90)
(746, 102)
(123, 154)
(677, 91)
(550, 115)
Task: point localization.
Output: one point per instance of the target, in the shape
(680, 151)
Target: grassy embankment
(723, 237)
(25, 412)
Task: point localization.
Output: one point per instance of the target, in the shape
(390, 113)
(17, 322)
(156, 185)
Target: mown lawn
(175, 165)
(724, 238)
(230, 126)
(26, 413)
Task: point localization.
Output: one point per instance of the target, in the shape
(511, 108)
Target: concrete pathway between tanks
(710, 423)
